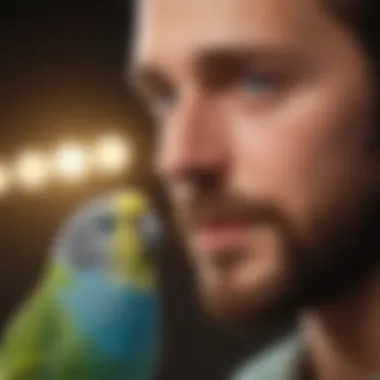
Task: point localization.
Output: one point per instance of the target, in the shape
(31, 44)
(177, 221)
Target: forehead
(174, 29)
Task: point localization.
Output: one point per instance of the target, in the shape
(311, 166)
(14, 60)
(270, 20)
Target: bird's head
(119, 233)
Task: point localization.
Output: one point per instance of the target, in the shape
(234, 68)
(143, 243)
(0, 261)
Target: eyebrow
(217, 61)
(241, 54)
(146, 77)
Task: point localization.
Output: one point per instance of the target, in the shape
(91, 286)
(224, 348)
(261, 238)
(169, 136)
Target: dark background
(61, 71)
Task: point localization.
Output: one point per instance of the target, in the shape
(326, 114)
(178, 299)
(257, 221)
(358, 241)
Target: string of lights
(70, 161)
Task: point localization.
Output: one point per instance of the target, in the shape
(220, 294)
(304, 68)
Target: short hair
(361, 17)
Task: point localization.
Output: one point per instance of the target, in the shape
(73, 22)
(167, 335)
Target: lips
(221, 235)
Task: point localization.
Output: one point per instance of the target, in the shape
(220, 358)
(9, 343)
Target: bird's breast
(118, 319)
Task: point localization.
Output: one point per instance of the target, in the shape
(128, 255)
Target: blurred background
(69, 130)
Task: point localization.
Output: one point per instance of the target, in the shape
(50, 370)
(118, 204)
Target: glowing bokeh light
(71, 161)
(109, 155)
(31, 170)
(112, 155)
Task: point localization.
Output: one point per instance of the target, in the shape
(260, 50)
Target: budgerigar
(96, 313)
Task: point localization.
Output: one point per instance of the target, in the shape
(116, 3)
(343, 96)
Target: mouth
(218, 235)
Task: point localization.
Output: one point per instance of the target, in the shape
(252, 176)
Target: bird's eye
(107, 223)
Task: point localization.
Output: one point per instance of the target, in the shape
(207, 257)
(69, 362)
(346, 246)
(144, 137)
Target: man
(267, 144)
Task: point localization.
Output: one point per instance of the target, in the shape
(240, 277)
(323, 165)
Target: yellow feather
(130, 263)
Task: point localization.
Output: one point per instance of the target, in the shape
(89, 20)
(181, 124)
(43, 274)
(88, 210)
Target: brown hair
(362, 18)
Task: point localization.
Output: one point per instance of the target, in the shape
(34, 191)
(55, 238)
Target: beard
(318, 270)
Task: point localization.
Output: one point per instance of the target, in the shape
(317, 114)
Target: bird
(95, 312)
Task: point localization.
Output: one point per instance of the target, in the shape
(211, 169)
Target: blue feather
(119, 319)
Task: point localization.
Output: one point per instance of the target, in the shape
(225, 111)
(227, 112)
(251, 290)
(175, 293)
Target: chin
(227, 314)
(256, 303)
(259, 317)
(225, 307)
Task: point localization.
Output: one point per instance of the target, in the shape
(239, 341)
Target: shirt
(286, 361)
(283, 362)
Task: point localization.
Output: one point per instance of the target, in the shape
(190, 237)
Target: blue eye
(258, 83)
(166, 100)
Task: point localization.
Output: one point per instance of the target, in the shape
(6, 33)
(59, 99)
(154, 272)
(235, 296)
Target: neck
(344, 339)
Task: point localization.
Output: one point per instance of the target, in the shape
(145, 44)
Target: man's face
(264, 114)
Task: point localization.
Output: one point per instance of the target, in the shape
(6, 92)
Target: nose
(191, 146)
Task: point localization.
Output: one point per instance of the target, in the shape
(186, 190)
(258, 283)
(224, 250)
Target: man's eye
(257, 84)
(163, 101)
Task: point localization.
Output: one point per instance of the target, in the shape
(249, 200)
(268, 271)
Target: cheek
(302, 154)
